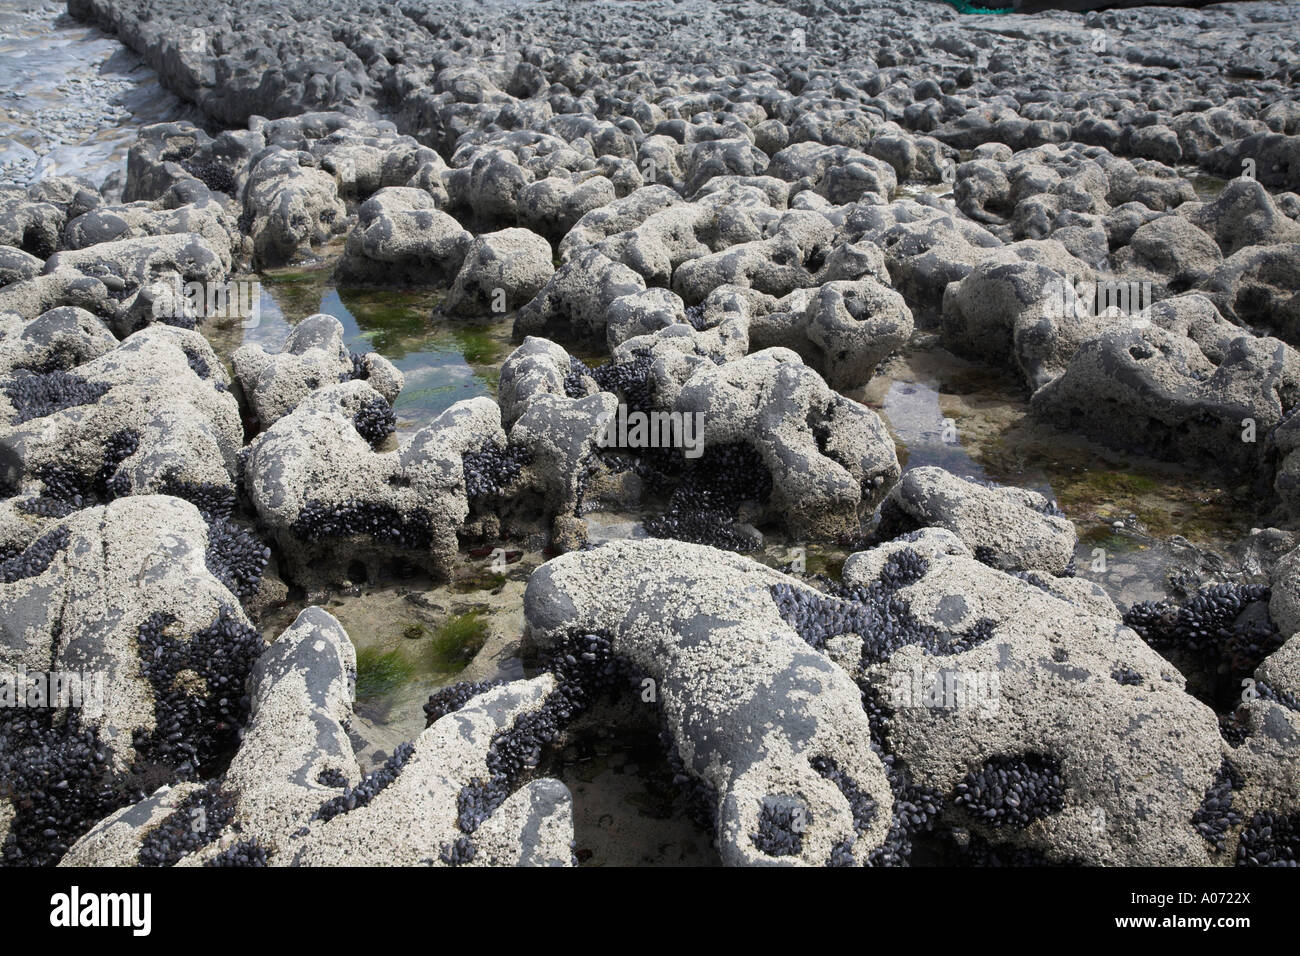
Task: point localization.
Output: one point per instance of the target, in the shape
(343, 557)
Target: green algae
(380, 672)
(457, 640)
(394, 321)
(484, 581)
(478, 344)
(296, 292)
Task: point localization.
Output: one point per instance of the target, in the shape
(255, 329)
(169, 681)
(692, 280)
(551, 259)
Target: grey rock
(402, 236)
(514, 261)
(59, 339)
(166, 427)
(133, 268)
(1256, 285)
(1244, 214)
(122, 563)
(334, 503)
(1134, 761)
(1013, 529)
(291, 207)
(1148, 388)
(746, 701)
(830, 458)
(576, 300)
(843, 329)
(302, 704)
(313, 356)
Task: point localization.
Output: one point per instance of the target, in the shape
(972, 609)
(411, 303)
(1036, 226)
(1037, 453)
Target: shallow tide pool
(443, 361)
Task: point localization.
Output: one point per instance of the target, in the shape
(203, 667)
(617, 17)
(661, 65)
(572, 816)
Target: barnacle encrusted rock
(1256, 285)
(131, 268)
(119, 565)
(842, 329)
(58, 339)
(301, 701)
(1284, 603)
(537, 367)
(331, 501)
(502, 270)
(642, 313)
(129, 597)
(560, 436)
(290, 206)
(830, 458)
(402, 236)
(187, 207)
(1014, 529)
(1257, 806)
(152, 415)
(1111, 772)
(749, 705)
(294, 794)
(787, 258)
(1003, 308)
(31, 297)
(1148, 388)
(313, 356)
(416, 818)
(576, 300)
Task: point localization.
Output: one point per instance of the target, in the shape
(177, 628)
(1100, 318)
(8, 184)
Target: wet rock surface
(75, 98)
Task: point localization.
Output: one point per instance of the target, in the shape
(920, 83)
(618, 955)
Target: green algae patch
(823, 560)
(1096, 485)
(401, 321)
(961, 6)
(457, 640)
(830, 564)
(394, 321)
(1165, 504)
(491, 581)
(380, 672)
(1103, 486)
(478, 344)
(1105, 536)
(297, 292)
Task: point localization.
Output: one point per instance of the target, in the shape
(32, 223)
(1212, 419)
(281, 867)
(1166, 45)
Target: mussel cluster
(371, 785)
(1012, 790)
(877, 614)
(375, 421)
(37, 394)
(196, 822)
(198, 718)
(320, 520)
